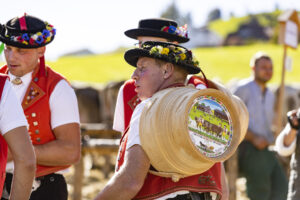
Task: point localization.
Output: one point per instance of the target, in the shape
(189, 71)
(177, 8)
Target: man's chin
(142, 97)
(15, 72)
(264, 80)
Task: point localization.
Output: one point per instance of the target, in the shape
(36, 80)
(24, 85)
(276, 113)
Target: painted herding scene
(209, 126)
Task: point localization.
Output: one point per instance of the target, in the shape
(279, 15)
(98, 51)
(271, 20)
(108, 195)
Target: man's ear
(41, 51)
(168, 70)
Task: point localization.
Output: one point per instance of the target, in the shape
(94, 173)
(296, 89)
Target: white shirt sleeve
(133, 132)
(279, 144)
(63, 105)
(11, 112)
(201, 87)
(119, 121)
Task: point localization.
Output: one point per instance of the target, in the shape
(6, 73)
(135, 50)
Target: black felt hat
(163, 28)
(165, 51)
(27, 32)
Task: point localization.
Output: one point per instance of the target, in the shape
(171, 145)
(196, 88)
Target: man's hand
(260, 142)
(293, 119)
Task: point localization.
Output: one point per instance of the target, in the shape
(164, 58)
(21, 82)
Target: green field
(223, 63)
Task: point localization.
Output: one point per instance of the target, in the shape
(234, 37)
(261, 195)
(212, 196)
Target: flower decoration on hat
(172, 53)
(180, 31)
(34, 39)
(165, 51)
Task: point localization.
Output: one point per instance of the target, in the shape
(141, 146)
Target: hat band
(173, 53)
(22, 22)
(32, 39)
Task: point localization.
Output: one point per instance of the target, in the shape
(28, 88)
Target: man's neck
(171, 83)
(262, 85)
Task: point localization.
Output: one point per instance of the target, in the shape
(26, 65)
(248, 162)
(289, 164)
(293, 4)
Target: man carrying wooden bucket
(159, 65)
(163, 30)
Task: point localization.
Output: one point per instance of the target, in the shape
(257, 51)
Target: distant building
(204, 108)
(221, 114)
(248, 31)
(203, 37)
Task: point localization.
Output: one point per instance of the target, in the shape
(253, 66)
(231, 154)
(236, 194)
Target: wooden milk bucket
(184, 131)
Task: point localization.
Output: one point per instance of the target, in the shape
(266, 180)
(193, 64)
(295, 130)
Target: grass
(223, 63)
(224, 27)
(94, 69)
(227, 63)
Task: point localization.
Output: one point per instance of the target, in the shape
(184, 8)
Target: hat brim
(131, 56)
(134, 33)
(20, 45)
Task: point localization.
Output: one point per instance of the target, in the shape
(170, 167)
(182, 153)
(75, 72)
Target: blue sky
(99, 25)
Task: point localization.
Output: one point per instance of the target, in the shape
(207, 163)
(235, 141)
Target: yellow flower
(160, 48)
(195, 61)
(182, 56)
(48, 39)
(39, 33)
(165, 51)
(25, 42)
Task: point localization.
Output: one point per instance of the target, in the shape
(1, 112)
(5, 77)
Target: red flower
(31, 41)
(19, 38)
(165, 29)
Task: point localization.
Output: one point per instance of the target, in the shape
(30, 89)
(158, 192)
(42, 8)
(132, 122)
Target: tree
(213, 15)
(172, 12)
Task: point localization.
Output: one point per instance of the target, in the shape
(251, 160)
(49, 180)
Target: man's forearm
(56, 153)
(290, 137)
(118, 188)
(24, 173)
(64, 150)
(250, 136)
(127, 182)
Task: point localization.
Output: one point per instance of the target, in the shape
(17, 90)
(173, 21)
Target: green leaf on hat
(1, 48)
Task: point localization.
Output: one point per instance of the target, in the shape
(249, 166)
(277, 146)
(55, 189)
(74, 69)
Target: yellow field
(223, 63)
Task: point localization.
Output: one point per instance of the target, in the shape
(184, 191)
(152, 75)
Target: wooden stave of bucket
(165, 163)
(147, 142)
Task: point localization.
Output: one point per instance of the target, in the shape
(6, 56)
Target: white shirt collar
(20, 90)
(25, 79)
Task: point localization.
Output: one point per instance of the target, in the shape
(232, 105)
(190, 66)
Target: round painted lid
(210, 126)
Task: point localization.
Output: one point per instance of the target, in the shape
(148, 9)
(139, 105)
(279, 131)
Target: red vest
(130, 100)
(37, 111)
(156, 186)
(3, 144)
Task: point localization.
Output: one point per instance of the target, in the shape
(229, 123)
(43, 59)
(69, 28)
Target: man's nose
(134, 75)
(10, 55)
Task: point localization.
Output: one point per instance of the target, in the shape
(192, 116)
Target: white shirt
(279, 144)
(62, 101)
(118, 124)
(11, 112)
(133, 132)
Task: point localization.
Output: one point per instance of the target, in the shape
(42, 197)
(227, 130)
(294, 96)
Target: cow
(96, 104)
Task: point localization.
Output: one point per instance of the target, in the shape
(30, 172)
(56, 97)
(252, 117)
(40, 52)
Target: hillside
(224, 27)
